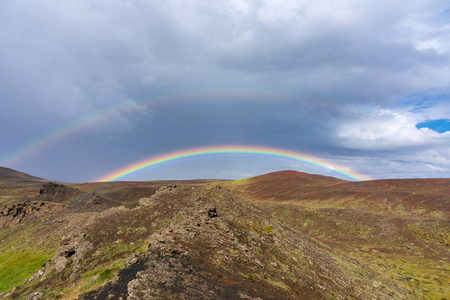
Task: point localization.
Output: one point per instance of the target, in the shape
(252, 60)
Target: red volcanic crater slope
(402, 197)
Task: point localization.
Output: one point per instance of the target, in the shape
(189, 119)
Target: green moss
(17, 266)
(261, 227)
(99, 275)
(279, 284)
(286, 213)
(106, 274)
(268, 229)
(308, 222)
(425, 276)
(164, 222)
(251, 277)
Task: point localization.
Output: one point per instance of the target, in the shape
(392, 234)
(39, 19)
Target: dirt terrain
(283, 235)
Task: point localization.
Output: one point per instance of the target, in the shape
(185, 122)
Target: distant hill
(402, 197)
(13, 176)
(281, 186)
(15, 186)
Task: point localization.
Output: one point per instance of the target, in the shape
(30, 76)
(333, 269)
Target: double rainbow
(89, 120)
(232, 149)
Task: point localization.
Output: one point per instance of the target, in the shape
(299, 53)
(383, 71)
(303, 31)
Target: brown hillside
(399, 227)
(15, 177)
(16, 186)
(282, 185)
(414, 198)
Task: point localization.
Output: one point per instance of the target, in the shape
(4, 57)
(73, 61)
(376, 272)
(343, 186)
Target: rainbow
(64, 131)
(232, 149)
(88, 120)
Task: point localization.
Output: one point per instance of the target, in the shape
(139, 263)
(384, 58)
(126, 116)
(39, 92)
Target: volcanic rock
(54, 192)
(202, 254)
(15, 213)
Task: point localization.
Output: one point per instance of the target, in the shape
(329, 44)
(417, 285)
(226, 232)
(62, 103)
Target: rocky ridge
(217, 247)
(13, 214)
(201, 240)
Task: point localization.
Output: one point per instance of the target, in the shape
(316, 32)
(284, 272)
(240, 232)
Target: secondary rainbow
(91, 119)
(232, 149)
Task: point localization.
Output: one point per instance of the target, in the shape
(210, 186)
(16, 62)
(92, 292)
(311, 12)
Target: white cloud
(386, 129)
(420, 162)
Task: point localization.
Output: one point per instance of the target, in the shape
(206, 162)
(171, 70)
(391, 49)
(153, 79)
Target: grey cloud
(62, 62)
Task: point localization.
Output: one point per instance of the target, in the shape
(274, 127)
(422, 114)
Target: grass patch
(17, 266)
(261, 227)
(93, 279)
(268, 229)
(426, 277)
(308, 222)
(100, 274)
(164, 222)
(278, 284)
(286, 213)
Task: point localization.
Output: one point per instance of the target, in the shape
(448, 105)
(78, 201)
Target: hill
(16, 186)
(413, 198)
(399, 227)
(283, 235)
(15, 177)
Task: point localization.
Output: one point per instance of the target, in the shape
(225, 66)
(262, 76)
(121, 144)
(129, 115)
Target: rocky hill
(258, 238)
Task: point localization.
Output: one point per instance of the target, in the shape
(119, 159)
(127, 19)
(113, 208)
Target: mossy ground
(89, 280)
(411, 253)
(24, 248)
(15, 266)
(399, 248)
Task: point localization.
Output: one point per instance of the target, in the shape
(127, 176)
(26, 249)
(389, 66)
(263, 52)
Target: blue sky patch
(420, 101)
(440, 126)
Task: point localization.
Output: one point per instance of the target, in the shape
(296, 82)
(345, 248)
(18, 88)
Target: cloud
(328, 77)
(387, 143)
(91, 55)
(386, 129)
(409, 163)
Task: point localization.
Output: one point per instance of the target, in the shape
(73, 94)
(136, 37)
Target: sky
(89, 87)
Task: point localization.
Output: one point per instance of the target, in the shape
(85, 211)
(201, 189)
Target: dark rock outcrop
(90, 202)
(75, 199)
(15, 213)
(54, 192)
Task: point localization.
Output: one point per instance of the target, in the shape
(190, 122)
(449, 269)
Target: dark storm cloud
(332, 74)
